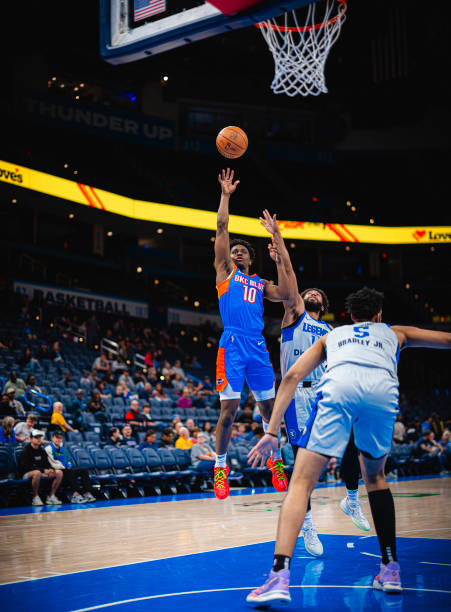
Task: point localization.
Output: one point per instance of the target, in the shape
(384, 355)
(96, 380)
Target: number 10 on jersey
(250, 293)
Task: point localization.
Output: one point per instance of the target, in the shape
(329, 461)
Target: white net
(300, 50)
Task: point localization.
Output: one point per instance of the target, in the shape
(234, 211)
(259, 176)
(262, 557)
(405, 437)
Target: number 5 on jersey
(250, 293)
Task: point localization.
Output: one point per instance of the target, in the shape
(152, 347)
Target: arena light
(353, 208)
(292, 245)
(196, 304)
(347, 247)
(407, 285)
(195, 338)
(182, 333)
(371, 221)
(71, 216)
(212, 239)
(156, 281)
(348, 203)
(160, 230)
(14, 201)
(109, 234)
(185, 298)
(432, 248)
(66, 165)
(139, 269)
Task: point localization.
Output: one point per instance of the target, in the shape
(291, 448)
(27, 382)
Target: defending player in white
(302, 325)
(359, 391)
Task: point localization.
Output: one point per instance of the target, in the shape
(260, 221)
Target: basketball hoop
(300, 51)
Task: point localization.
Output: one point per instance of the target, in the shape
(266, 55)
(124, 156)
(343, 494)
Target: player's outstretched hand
(269, 222)
(274, 252)
(267, 446)
(226, 181)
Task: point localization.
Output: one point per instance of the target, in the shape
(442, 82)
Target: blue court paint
(180, 497)
(220, 581)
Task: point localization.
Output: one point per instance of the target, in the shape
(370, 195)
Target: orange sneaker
(279, 480)
(221, 487)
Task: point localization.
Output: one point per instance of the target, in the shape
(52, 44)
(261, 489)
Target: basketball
(232, 142)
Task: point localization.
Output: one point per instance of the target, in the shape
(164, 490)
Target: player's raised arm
(306, 363)
(223, 262)
(287, 289)
(411, 337)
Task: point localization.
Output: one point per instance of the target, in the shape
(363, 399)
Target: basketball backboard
(131, 30)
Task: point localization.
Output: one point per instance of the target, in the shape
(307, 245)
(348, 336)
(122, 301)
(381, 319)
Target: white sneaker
(52, 500)
(354, 510)
(89, 498)
(37, 501)
(78, 499)
(311, 541)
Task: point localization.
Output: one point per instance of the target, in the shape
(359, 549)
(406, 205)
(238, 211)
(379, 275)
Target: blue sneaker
(388, 579)
(275, 589)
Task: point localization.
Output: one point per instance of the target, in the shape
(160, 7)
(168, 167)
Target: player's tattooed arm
(223, 263)
(306, 363)
(411, 337)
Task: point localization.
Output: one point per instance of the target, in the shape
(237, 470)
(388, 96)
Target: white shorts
(358, 398)
(298, 412)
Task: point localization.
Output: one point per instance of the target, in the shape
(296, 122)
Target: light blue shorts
(363, 399)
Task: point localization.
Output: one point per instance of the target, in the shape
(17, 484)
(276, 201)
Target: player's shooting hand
(269, 223)
(266, 447)
(226, 181)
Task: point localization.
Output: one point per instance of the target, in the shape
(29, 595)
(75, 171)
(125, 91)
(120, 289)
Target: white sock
(353, 496)
(308, 521)
(221, 460)
(278, 453)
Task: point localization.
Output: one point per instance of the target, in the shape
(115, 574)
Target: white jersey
(366, 344)
(299, 337)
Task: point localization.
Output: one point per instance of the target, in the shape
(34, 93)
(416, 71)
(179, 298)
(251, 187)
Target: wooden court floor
(54, 543)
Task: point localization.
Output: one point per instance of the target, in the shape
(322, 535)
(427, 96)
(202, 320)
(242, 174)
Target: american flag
(146, 8)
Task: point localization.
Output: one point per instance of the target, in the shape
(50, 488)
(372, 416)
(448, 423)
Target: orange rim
(317, 26)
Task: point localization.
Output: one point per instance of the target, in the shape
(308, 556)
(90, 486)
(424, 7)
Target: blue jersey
(241, 303)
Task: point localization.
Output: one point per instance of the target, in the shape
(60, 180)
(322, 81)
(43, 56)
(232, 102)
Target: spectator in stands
(445, 445)
(183, 441)
(56, 355)
(190, 426)
(85, 380)
(97, 407)
(207, 385)
(67, 379)
(246, 416)
(31, 383)
(431, 452)
(167, 382)
(143, 386)
(78, 404)
(126, 379)
(101, 363)
(257, 434)
(399, 430)
(159, 394)
(167, 436)
(27, 359)
(7, 434)
(133, 415)
(103, 390)
(184, 400)
(5, 407)
(23, 429)
(208, 432)
(436, 425)
(59, 460)
(411, 432)
(146, 416)
(15, 405)
(44, 352)
(118, 364)
(58, 419)
(150, 440)
(177, 368)
(195, 363)
(202, 455)
(166, 369)
(128, 439)
(426, 425)
(178, 383)
(235, 436)
(33, 462)
(17, 384)
(332, 474)
(114, 437)
(94, 380)
(177, 427)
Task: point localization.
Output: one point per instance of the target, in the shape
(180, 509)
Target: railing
(139, 361)
(109, 346)
(31, 394)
